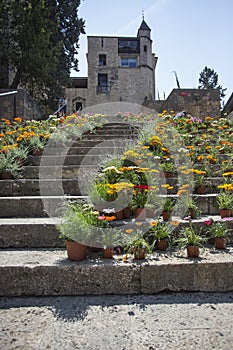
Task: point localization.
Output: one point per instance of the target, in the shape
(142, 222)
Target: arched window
(145, 48)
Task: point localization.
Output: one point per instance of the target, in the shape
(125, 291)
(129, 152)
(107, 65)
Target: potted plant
(10, 168)
(161, 233)
(188, 206)
(138, 203)
(225, 203)
(139, 246)
(190, 240)
(168, 168)
(110, 239)
(168, 206)
(81, 226)
(219, 232)
(36, 145)
(199, 181)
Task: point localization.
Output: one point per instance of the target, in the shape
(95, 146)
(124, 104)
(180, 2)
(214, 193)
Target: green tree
(39, 41)
(209, 80)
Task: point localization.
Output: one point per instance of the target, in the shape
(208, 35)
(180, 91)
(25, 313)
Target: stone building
(120, 69)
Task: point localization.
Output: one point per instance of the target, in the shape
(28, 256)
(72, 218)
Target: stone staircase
(33, 259)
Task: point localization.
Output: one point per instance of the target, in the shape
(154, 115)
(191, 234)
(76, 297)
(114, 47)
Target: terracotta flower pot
(107, 253)
(76, 251)
(225, 213)
(192, 251)
(139, 253)
(119, 215)
(200, 190)
(37, 152)
(166, 215)
(6, 175)
(168, 174)
(161, 244)
(140, 214)
(220, 243)
(126, 213)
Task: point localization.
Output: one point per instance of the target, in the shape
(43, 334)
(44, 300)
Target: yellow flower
(129, 230)
(139, 223)
(229, 173)
(200, 158)
(17, 119)
(153, 223)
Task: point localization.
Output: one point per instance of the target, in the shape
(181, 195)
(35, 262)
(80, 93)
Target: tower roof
(144, 26)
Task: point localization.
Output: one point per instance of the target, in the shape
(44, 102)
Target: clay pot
(200, 190)
(76, 251)
(139, 253)
(37, 152)
(192, 251)
(107, 253)
(119, 215)
(225, 213)
(168, 174)
(6, 175)
(220, 243)
(166, 215)
(140, 214)
(161, 244)
(126, 213)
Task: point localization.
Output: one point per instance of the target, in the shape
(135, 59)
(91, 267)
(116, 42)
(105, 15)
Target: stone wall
(198, 102)
(18, 105)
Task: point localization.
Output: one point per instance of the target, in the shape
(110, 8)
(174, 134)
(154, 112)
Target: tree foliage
(209, 80)
(39, 41)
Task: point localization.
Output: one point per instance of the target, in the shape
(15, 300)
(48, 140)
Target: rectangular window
(102, 83)
(129, 62)
(102, 60)
(128, 45)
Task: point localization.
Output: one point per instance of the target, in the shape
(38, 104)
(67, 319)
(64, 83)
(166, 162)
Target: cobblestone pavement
(151, 322)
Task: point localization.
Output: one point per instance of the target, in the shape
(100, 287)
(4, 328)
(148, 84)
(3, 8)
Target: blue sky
(187, 36)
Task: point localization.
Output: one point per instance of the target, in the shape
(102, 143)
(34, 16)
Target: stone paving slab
(182, 321)
(49, 272)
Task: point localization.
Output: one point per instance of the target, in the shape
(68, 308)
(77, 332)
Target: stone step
(32, 206)
(36, 206)
(68, 171)
(41, 272)
(90, 159)
(71, 182)
(42, 232)
(30, 233)
(82, 150)
(32, 187)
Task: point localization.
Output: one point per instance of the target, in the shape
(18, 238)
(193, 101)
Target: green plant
(111, 238)
(218, 230)
(168, 166)
(199, 180)
(187, 204)
(81, 223)
(137, 242)
(36, 143)
(9, 164)
(168, 204)
(187, 236)
(225, 200)
(139, 198)
(160, 230)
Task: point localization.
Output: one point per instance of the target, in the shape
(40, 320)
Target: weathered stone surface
(29, 233)
(210, 277)
(49, 272)
(156, 278)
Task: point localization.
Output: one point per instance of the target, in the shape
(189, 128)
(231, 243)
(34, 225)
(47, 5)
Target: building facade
(120, 69)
